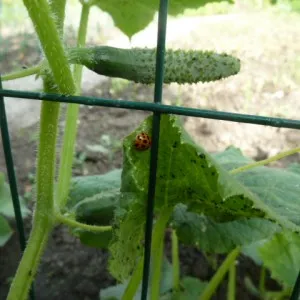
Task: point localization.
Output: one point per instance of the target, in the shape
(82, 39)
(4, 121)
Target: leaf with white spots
(189, 175)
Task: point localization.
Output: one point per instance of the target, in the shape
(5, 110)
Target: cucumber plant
(198, 194)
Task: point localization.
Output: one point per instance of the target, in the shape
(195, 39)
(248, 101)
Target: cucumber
(138, 64)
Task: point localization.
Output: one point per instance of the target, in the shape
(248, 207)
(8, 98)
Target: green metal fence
(157, 108)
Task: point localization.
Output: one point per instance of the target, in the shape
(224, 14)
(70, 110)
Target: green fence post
(12, 177)
(159, 76)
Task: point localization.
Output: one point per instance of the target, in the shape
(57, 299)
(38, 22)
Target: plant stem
(58, 8)
(43, 219)
(262, 280)
(265, 161)
(158, 235)
(219, 275)
(22, 73)
(65, 170)
(157, 250)
(278, 295)
(231, 282)
(40, 14)
(72, 223)
(175, 261)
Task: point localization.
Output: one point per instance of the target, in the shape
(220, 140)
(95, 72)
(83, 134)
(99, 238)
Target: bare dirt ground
(268, 45)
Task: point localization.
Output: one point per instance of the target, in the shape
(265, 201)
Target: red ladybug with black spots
(142, 141)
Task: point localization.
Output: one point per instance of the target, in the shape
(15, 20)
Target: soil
(70, 270)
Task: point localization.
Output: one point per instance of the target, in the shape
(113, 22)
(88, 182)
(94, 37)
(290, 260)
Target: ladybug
(142, 141)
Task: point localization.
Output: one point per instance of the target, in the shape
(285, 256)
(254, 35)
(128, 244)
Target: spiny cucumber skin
(138, 64)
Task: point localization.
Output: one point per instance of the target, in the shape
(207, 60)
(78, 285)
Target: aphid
(142, 141)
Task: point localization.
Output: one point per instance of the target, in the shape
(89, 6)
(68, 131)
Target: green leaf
(278, 189)
(92, 239)
(5, 231)
(294, 167)
(252, 251)
(212, 237)
(116, 292)
(6, 204)
(93, 200)
(83, 187)
(281, 256)
(131, 16)
(98, 209)
(192, 289)
(187, 174)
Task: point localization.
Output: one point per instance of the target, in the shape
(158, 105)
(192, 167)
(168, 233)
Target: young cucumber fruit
(138, 64)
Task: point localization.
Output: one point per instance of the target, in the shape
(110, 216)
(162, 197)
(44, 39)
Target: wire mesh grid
(157, 108)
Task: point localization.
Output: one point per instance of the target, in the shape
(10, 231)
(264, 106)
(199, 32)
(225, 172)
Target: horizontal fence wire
(156, 107)
(158, 89)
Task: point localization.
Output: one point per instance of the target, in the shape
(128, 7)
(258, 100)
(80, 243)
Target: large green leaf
(83, 187)
(210, 236)
(5, 231)
(131, 16)
(281, 256)
(187, 174)
(6, 204)
(96, 210)
(93, 200)
(277, 188)
(252, 250)
(94, 239)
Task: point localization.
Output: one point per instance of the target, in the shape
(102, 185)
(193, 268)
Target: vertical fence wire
(11, 173)
(296, 289)
(12, 177)
(159, 75)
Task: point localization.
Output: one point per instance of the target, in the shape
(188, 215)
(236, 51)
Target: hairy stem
(175, 261)
(43, 220)
(219, 275)
(58, 8)
(65, 170)
(22, 73)
(40, 14)
(72, 223)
